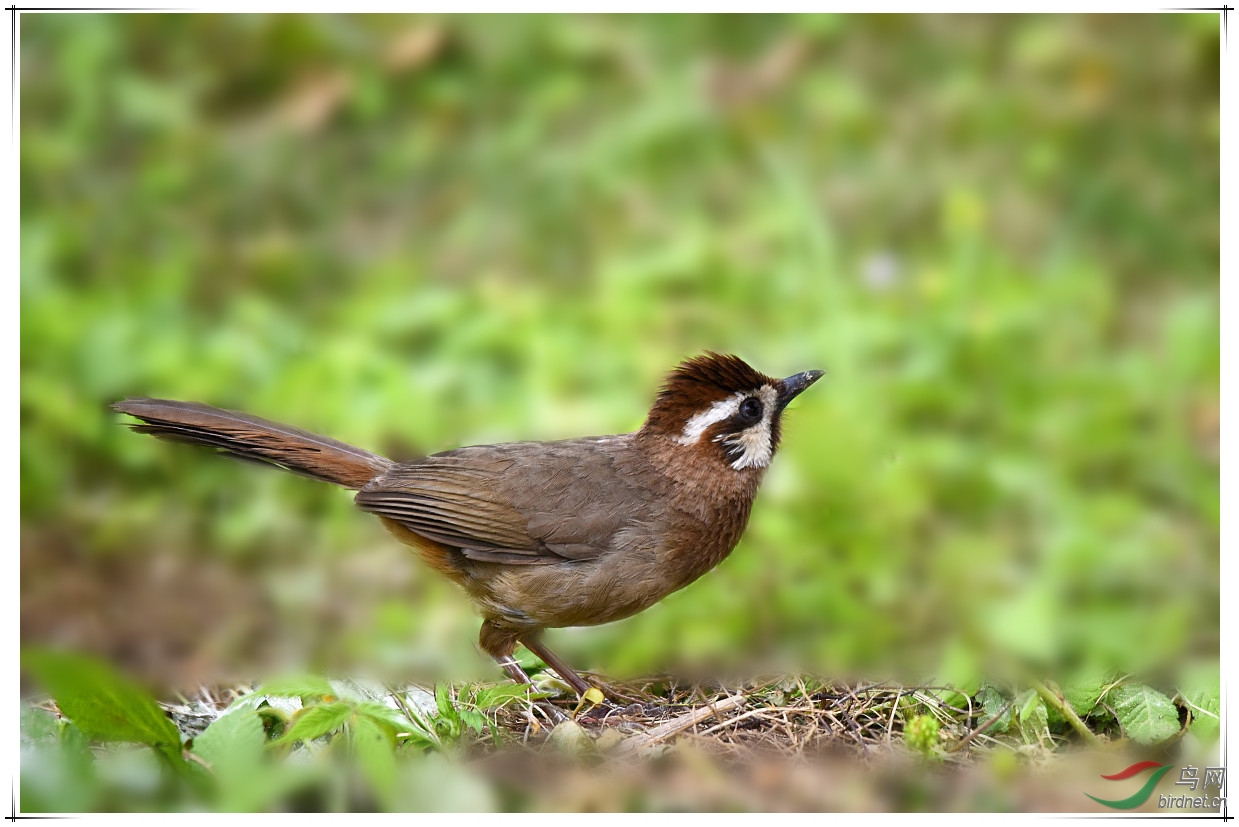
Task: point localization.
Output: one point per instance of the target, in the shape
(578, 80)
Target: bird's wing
(520, 503)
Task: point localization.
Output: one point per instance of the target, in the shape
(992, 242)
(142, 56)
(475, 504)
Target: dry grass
(779, 743)
(791, 716)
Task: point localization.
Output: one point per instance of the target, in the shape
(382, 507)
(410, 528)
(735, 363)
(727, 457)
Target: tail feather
(255, 439)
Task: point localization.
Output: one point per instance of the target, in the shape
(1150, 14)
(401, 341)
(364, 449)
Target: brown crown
(698, 383)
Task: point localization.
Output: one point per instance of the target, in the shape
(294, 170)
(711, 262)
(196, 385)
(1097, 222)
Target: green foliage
(374, 747)
(1032, 716)
(306, 687)
(994, 703)
(1200, 690)
(999, 237)
(500, 695)
(341, 745)
(104, 705)
(921, 734)
(453, 720)
(1140, 712)
(515, 234)
(1084, 694)
(58, 768)
(234, 748)
(1146, 715)
(316, 721)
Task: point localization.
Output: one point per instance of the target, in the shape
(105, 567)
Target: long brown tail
(257, 440)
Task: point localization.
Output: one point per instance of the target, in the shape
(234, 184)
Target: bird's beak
(792, 386)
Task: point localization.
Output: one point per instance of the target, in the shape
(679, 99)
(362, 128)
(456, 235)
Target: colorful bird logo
(1142, 795)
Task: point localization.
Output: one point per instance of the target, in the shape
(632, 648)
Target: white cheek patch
(754, 443)
(720, 410)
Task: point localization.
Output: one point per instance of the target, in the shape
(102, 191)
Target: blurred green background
(998, 235)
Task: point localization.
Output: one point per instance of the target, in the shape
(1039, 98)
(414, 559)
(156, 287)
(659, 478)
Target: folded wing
(519, 503)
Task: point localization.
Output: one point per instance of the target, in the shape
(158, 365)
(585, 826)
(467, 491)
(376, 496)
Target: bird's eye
(750, 409)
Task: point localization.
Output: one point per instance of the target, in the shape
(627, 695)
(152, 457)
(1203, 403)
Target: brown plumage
(549, 534)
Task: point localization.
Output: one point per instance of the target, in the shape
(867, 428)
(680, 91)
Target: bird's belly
(582, 593)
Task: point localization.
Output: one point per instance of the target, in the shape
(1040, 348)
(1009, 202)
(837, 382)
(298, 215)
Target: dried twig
(669, 728)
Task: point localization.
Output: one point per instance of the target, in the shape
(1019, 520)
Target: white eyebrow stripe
(720, 410)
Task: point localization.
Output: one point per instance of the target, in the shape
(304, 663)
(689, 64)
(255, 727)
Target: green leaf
(382, 714)
(415, 728)
(1206, 710)
(1201, 691)
(58, 773)
(298, 686)
(492, 697)
(103, 704)
(316, 721)
(234, 747)
(1146, 715)
(473, 719)
(39, 725)
(236, 736)
(1083, 695)
(443, 700)
(375, 749)
(1032, 715)
(992, 702)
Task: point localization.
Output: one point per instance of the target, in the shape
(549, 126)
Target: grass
(309, 742)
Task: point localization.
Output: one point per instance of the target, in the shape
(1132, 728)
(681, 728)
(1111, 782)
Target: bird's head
(723, 409)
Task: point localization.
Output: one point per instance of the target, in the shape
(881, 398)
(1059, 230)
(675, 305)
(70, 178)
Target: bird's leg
(499, 642)
(512, 669)
(534, 644)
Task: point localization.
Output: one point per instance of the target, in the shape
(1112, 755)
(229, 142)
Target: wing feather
(519, 503)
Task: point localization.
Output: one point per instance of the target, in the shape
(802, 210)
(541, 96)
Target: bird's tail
(257, 440)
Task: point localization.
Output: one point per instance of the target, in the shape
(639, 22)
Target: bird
(546, 535)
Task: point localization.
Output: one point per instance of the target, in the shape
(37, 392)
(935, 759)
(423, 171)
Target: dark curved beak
(792, 386)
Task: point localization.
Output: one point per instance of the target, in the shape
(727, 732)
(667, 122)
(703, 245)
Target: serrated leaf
(474, 720)
(298, 686)
(443, 700)
(102, 703)
(316, 721)
(1146, 715)
(393, 721)
(1083, 695)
